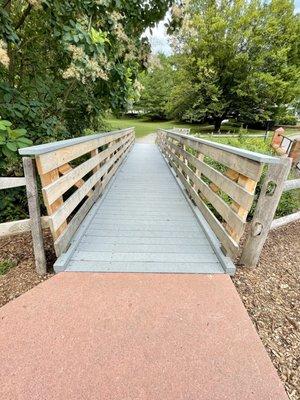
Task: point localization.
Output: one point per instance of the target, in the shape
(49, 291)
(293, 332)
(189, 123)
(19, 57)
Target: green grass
(143, 127)
(5, 266)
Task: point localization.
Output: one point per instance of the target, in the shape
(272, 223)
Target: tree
(236, 58)
(157, 84)
(64, 63)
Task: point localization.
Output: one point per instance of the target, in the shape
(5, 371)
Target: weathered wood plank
(7, 183)
(285, 220)
(47, 179)
(63, 242)
(250, 155)
(55, 159)
(245, 166)
(57, 188)
(219, 204)
(235, 191)
(71, 203)
(53, 146)
(271, 192)
(291, 185)
(20, 226)
(229, 244)
(35, 215)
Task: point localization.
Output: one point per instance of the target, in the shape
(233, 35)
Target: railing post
(294, 152)
(271, 192)
(35, 215)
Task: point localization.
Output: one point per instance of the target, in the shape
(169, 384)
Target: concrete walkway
(86, 336)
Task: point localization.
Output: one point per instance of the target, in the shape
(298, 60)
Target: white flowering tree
(64, 63)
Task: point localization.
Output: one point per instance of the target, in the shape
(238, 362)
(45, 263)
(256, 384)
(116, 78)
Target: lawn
(144, 127)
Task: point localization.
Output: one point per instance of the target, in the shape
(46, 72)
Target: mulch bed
(270, 293)
(18, 250)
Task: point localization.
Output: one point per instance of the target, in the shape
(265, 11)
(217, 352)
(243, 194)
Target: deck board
(144, 224)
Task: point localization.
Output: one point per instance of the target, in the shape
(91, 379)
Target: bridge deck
(144, 224)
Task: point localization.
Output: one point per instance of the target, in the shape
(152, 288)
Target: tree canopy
(235, 58)
(63, 63)
(156, 83)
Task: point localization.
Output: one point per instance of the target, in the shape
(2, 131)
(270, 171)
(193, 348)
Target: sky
(159, 38)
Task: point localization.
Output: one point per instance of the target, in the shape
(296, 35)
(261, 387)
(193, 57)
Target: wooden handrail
(251, 155)
(53, 146)
(73, 174)
(221, 180)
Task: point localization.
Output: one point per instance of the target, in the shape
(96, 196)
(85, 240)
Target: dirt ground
(270, 293)
(18, 250)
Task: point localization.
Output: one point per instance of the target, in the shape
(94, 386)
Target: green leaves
(11, 140)
(4, 125)
(236, 59)
(98, 36)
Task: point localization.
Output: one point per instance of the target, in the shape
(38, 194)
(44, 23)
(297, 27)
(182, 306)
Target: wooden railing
(292, 184)
(17, 226)
(221, 180)
(73, 173)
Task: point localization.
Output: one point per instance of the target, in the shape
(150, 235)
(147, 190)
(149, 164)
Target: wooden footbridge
(179, 205)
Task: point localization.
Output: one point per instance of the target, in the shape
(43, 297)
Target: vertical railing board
(35, 215)
(265, 211)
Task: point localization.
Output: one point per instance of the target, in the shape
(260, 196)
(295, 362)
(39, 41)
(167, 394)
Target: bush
(287, 120)
(13, 202)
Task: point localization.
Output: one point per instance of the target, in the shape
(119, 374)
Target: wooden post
(35, 215)
(295, 151)
(265, 210)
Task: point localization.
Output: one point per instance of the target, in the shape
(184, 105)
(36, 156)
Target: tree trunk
(217, 124)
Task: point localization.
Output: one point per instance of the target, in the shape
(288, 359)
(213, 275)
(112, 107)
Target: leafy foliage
(10, 141)
(237, 59)
(157, 83)
(63, 64)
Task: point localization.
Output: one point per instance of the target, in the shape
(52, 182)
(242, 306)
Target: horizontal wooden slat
(15, 227)
(63, 242)
(276, 223)
(57, 188)
(228, 243)
(236, 192)
(53, 146)
(71, 203)
(291, 185)
(7, 183)
(250, 155)
(249, 168)
(219, 204)
(49, 161)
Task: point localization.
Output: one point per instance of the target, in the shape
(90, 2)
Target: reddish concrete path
(133, 336)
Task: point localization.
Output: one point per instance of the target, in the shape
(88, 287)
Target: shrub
(13, 203)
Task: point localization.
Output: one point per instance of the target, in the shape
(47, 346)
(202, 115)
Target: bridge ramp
(144, 224)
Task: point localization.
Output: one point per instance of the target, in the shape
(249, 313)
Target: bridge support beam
(268, 200)
(35, 215)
